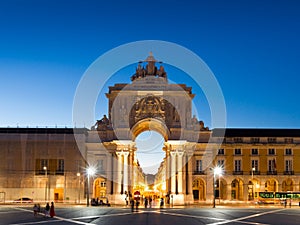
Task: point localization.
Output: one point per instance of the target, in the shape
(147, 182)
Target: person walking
(35, 210)
(47, 209)
(132, 204)
(161, 203)
(52, 212)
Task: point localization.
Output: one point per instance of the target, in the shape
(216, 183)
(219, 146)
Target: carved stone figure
(101, 124)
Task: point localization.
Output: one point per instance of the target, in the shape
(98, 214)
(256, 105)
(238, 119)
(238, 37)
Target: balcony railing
(198, 172)
(237, 172)
(271, 172)
(43, 172)
(256, 172)
(289, 172)
(59, 172)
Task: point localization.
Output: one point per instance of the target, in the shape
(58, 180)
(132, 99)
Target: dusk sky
(252, 47)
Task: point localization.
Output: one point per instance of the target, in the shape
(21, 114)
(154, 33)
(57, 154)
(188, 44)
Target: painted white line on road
(187, 215)
(50, 221)
(247, 217)
(39, 222)
(106, 215)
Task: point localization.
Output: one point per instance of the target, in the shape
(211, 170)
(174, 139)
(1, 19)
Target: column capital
(180, 153)
(120, 153)
(172, 153)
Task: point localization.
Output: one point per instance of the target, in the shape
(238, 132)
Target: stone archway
(222, 189)
(237, 189)
(150, 124)
(199, 190)
(149, 102)
(271, 185)
(288, 185)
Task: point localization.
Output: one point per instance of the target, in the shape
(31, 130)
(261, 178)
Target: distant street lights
(90, 172)
(45, 168)
(217, 171)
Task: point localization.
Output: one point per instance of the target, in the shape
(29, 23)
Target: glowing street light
(45, 168)
(78, 175)
(90, 172)
(217, 171)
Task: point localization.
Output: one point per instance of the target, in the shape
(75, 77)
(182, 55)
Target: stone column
(168, 172)
(190, 175)
(119, 172)
(228, 193)
(108, 174)
(125, 171)
(179, 171)
(173, 172)
(245, 192)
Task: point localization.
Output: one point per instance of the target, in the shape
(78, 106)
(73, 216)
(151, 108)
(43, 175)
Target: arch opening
(150, 152)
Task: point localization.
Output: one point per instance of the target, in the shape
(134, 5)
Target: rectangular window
(288, 140)
(255, 140)
(221, 151)
(254, 151)
(272, 140)
(77, 165)
(237, 165)
(272, 165)
(271, 151)
(254, 164)
(221, 163)
(61, 165)
(288, 151)
(44, 163)
(288, 165)
(238, 140)
(198, 165)
(100, 165)
(237, 151)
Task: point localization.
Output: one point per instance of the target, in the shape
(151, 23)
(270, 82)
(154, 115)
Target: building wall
(23, 154)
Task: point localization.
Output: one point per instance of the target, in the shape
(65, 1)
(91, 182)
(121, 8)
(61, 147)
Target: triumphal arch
(149, 102)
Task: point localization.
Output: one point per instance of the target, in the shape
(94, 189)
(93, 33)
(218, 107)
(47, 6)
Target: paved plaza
(21, 215)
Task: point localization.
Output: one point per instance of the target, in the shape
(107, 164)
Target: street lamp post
(217, 171)
(45, 168)
(90, 172)
(78, 175)
(214, 190)
(252, 171)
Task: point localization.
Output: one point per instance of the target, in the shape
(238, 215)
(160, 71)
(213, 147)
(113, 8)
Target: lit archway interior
(150, 152)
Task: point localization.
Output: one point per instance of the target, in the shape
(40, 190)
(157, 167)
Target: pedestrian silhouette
(52, 212)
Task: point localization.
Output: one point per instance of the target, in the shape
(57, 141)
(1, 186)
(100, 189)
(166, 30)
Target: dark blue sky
(252, 47)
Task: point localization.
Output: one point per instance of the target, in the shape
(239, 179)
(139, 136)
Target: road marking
(106, 215)
(188, 215)
(247, 217)
(50, 221)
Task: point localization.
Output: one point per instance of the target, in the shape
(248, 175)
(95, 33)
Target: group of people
(135, 202)
(48, 211)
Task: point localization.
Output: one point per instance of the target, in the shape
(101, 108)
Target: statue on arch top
(101, 124)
